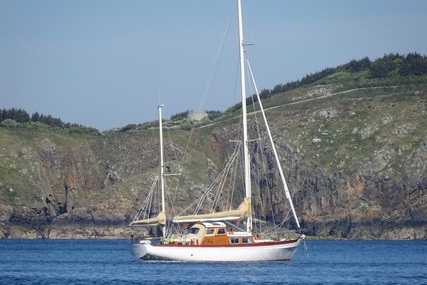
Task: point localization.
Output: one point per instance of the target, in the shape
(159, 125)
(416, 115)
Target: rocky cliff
(355, 160)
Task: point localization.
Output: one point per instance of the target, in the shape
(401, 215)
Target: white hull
(265, 251)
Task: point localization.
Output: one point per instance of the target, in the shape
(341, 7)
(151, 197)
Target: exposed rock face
(356, 169)
(71, 191)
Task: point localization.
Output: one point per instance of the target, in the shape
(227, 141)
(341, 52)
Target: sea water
(110, 262)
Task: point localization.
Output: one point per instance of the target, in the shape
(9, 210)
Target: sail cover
(160, 219)
(243, 211)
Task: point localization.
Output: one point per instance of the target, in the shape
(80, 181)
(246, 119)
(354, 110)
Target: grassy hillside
(352, 139)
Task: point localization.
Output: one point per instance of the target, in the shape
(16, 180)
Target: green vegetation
(18, 118)
(13, 184)
(390, 70)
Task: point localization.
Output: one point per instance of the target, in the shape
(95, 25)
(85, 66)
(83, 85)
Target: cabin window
(192, 231)
(221, 231)
(246, 240)
(234, 240)
(210, 231)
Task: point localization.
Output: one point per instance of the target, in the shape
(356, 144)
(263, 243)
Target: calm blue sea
(109, 262)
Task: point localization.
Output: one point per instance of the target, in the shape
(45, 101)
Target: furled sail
(160, 219)
(243, 211)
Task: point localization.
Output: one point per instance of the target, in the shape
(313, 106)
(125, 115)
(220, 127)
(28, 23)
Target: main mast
(162, 182)
(248, 191)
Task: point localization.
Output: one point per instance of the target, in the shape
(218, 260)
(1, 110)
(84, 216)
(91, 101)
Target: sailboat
(206, 236)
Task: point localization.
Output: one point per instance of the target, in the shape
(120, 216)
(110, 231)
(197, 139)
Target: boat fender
(194, 241)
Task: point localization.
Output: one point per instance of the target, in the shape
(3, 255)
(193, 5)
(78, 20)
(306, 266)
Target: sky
(109, 63)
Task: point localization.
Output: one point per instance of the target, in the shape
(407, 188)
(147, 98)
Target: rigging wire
(217, 59)
(146, 205)
(287, 193)
(207, 88)
(218, 181)
(258, 173)
(175, 182)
